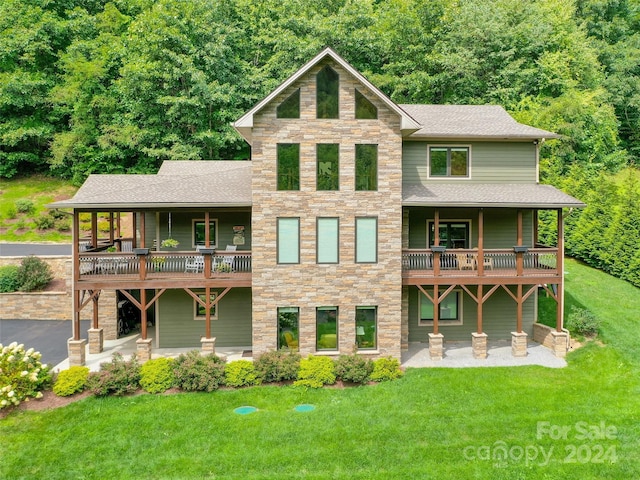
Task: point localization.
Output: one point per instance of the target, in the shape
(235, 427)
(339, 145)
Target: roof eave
(436, 136)
(494, 204)
(137, 206)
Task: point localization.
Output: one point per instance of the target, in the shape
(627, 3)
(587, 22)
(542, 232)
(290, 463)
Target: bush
(22, 375)
(24, 205)
(9, 281)
(582, 322)
(354, 368)
(63, 225)
(156, 375)
(117, 377)
(34, 274)
(241, 373)
(199, 373)
(278, 366)
(44, 222)
(315, 372)
(71, 381)
(11, 212)
(386, 368)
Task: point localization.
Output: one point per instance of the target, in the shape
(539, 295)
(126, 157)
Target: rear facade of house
(357, 224)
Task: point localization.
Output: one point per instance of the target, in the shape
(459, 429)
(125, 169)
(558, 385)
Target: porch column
(519, 254)
(94, 230)
(560, 305)
(436, 339)
(143, 343)
(134, 240)
(96, 335)
(75, 275)
(111, 226)
(480, 258)
(519, 338)
(436, 242)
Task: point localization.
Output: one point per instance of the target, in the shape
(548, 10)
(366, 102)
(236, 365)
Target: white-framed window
(452, 233)
(449, 161)
(198, 232)
(200, 312)
(327, 240)
(450, 309)
(366, 239)
(288, 240)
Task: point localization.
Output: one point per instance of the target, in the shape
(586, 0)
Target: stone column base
(208, 345)
(559, 343)
(144, 349)
(77, 351)
(436, 346)
(519, 344)
(479, 345)
(96, 340)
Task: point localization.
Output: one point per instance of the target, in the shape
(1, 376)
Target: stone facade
(519, 344)
(550, 338)
(308, 285)
(479, 345)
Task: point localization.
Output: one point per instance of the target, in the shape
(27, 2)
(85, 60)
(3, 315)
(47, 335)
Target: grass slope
(17, 227)
(433, 423)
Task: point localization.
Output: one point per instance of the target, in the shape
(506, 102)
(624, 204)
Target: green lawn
(21, 227)
(579, 422)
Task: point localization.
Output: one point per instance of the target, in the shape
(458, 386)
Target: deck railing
(163, 264)
(495, 262)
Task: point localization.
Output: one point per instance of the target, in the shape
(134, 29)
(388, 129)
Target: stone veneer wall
(309, 285)
(542, 334)
(57, 305)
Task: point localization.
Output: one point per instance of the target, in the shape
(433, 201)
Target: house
(357, 222)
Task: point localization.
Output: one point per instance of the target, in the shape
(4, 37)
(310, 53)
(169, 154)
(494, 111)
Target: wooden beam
(76, 314)
(93, 294)
(479, 309)
(207, 308)
(111, 237)
(519, 255)
(436, 307)
(134, 242)
(519, 310)
(490, 292)
(425, 293)
(131, 298)
(436, 242)
(142, 230)
(143, 314)
(560, 299)
(480, 259)
(207, 233)
(94, 229)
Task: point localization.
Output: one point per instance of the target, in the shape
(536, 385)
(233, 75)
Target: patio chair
(194, 264)
(464, 260)
(225, 263)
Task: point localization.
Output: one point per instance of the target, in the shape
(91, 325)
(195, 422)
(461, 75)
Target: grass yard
(16, 226)
(581, 422)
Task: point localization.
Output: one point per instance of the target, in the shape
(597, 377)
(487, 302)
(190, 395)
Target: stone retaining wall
(542, 334)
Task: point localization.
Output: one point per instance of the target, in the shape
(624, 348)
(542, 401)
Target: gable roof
(245, 123)
(213, 183)
(487, 195)
(468, 122)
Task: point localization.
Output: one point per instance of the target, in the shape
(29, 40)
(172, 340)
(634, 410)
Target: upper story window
(327, 155)
(290, 107)
(288, 166)
(366, 240)
(365, 110)
(327, 94)
(288, 240)
(327, 240)
(449, 161)
(366, 167)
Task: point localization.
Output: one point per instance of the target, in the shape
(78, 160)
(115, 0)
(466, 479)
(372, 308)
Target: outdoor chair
(225, 263)
(465, 260)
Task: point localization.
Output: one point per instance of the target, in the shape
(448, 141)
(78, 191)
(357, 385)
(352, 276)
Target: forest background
(90, 86)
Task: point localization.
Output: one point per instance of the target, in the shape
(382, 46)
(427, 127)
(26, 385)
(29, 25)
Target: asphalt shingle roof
(488, 195)
(178, 183)
(471, 122)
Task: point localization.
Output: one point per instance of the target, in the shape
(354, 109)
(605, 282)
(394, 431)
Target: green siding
(182, 226)
(499, 225)
(491, 162)
(177, 327)
(499, 318)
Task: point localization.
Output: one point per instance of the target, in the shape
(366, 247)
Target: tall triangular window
(327, 86)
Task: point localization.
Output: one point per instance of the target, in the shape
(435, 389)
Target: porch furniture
(195, 264)
(465, 260)
(292, 343)
(225, 263)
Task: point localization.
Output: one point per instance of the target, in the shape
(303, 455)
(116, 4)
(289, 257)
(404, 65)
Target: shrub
(241, 373)
(9, 281)
(63, 225)
(11, 212)
(386, 368)
(71, 381)
(156, 375)
(22, 375)
(44, 222)
(117, 377)
(582, 322)
(315, 372)
(34, 274)
(199, 373)
(278, 366)
(57, 214)
(354, 368)
(24, 205)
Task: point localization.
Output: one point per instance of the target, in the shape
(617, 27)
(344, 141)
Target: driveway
(49, 337)
(38, 249)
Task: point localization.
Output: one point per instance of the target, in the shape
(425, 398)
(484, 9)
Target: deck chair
(465, 261)
(195, 264)
(225, 263)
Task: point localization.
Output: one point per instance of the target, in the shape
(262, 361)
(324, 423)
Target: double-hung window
(327, 328)
(199, 233)
(288, 240)
(449, 161)
(450, 309)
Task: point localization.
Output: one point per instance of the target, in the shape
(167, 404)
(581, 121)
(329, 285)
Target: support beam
(480, 259)
(143, 314)
(560, 306)
(519, 255)
(479, 309)
(94, 230)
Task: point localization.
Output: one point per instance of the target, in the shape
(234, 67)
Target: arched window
(327, 85)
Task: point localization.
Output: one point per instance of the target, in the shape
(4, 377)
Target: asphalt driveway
(49, 337)
(38, 249)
